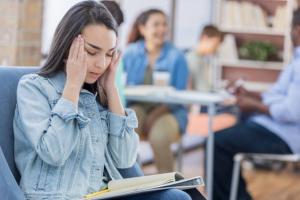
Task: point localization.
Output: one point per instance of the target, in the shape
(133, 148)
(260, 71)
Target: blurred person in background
(273, 127)
(148, 53)
(115, 10)
(200, 59)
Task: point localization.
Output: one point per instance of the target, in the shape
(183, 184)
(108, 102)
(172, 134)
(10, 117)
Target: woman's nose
(101, 62)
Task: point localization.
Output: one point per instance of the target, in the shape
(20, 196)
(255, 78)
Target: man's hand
(236, 88)
(251, 105)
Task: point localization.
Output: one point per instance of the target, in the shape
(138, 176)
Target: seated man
(201, 64)
(200, 59)
(274, 126)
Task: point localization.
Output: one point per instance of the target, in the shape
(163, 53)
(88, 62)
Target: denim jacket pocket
(104, 124)
(42, 180)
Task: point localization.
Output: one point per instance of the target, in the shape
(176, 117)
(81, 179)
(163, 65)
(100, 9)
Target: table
(157, 94)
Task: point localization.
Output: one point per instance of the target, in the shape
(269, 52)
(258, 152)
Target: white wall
(54, 10)
(132, 8)
(191, 16)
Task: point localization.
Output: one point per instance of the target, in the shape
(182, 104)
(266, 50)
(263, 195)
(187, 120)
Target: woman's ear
(141, 29)
(295, 32)
(65, 60)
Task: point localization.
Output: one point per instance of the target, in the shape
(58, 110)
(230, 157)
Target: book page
(180, 184)
(144, 181)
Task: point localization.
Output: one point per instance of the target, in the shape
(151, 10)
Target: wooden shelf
(251, 70)
(266, 31)
(257, 86)
(253, 64)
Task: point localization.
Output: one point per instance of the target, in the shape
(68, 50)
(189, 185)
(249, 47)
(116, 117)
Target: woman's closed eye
(91, 53)
(110, 55)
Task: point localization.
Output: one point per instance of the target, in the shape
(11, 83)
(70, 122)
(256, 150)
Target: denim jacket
(65, 152)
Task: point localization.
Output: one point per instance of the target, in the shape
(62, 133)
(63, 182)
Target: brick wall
(20, 30)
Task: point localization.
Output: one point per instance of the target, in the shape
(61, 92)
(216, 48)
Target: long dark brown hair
(71, 25)
(114, 8)
(142, 19)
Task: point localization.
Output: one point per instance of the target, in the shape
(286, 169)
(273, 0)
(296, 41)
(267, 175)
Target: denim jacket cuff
(120, 123)
(67, 111)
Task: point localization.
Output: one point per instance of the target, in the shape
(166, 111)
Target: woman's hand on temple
(107, 80)
(76, 69)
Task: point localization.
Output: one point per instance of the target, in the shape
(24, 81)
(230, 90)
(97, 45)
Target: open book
(144, 184)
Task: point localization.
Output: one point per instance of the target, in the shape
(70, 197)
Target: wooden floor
(263, 185)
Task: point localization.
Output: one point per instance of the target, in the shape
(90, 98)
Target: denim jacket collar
(58, 81)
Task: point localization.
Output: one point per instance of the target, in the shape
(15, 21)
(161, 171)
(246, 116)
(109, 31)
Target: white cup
(161, 78)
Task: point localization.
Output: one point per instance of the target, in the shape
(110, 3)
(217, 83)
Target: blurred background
(256, 47)
(27, 27)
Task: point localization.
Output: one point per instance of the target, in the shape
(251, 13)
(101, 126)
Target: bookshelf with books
(257, 44)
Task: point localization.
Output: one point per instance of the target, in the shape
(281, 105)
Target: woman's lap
(171, 194)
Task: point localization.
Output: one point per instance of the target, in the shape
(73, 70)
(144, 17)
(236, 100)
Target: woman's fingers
(77, 47)
(77, 51)
(116, 59)
(117, 56)
(81, 50)
(72, 49)
(84, 59)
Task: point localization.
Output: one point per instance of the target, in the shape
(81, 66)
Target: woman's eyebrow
(99, 48)
(94, 46)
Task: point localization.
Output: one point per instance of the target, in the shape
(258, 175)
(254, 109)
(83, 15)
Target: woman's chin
(159, 42)
(90, 80)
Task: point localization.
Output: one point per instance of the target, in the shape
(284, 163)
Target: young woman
(71, 131)
(149, 53)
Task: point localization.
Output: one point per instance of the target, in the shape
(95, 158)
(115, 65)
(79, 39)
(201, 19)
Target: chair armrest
(276, 157)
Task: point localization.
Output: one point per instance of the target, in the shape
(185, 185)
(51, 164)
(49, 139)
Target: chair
(9, 78)
(8, 186)
(240, 157)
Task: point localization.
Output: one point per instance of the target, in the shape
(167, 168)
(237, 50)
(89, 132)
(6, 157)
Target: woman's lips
(93, 74)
